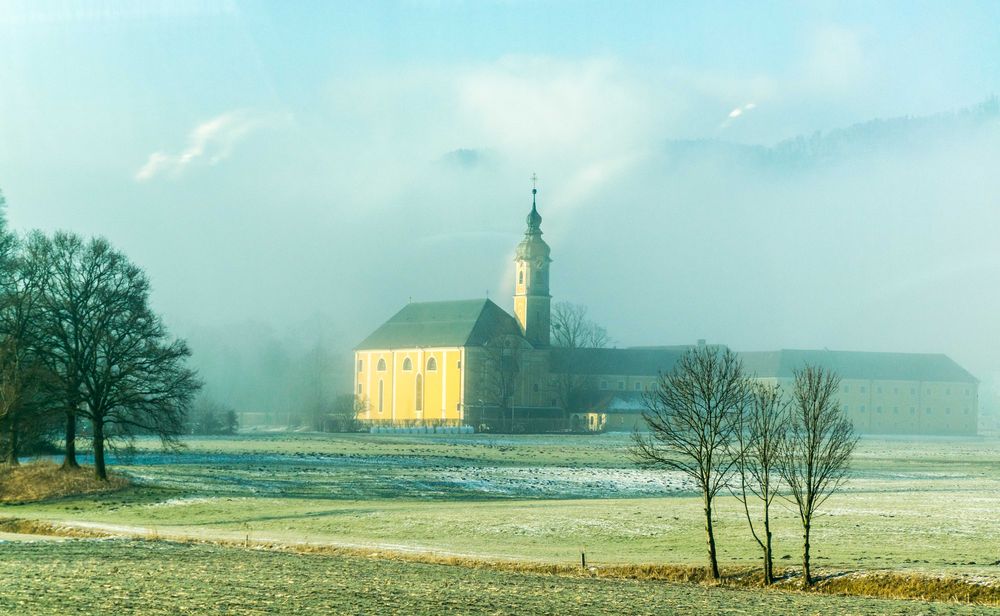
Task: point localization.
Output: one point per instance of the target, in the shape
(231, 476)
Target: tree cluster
(80, 346)
(210, 417)
(573, 329)
(723, 429)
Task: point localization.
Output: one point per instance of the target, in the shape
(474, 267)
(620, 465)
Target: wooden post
(583, 559)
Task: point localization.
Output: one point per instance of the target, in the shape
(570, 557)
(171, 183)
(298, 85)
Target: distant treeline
(290, 376)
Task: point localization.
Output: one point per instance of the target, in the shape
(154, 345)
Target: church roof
(631, 362)
(442, 324)
(775, 364)
(858, 365)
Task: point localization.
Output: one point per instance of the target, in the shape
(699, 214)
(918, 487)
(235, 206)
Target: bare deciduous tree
(116, 364)
(572, 329)
(693, 416)
(69, 305)
(501, 374)
(816, 451)
(12, 393)
(758, 448)
(23, 379)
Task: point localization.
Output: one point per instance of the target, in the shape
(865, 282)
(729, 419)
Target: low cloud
(208, 143)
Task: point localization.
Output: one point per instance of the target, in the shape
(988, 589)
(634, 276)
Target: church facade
(470, 362)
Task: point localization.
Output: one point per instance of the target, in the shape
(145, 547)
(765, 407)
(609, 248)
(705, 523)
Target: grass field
(153, 578)
(926, 506)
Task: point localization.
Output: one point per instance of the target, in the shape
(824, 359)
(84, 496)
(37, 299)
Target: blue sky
(250, 155)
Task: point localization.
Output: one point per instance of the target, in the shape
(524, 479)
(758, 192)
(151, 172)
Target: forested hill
(880, 136)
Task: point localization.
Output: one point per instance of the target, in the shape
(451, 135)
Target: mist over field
(290, 179)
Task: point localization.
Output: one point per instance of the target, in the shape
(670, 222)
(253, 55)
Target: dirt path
(183, 533)
(21, 537)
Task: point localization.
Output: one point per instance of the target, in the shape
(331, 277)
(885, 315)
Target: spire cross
(534, 189)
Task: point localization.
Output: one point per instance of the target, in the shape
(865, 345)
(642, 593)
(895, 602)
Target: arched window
(420, 392)
(432, 365)
(407, 364)
(380, 396)
(381, 365)
(520, 277)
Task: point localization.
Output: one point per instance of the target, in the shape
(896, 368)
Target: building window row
(407, 365)
(895, 390)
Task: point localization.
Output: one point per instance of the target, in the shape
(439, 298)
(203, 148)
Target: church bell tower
(532, 302)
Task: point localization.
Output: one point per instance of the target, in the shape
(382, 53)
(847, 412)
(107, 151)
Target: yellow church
(433, 363)
(471, 363)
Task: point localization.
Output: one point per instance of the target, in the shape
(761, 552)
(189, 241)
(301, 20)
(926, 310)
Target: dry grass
(889, 585)
(874, 584)
(22, 526)
(40, 481)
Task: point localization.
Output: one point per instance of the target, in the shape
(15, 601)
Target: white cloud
(736, 113)
(208, 143)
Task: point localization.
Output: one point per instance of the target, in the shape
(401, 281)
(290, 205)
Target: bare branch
(693, 416)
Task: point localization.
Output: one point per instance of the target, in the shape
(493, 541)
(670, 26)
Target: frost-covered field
(912, 504)
(334, 477)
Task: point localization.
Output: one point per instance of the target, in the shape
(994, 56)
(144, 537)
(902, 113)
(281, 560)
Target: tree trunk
(100, 471)
(12, 444)
(710, 537)
(806, 575)
(768, 554)
(69, 461)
